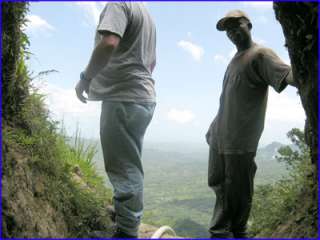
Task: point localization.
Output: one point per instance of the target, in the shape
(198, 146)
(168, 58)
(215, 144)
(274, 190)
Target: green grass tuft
(72, 184)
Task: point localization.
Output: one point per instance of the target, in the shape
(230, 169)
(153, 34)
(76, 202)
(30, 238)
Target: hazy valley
(176, 191)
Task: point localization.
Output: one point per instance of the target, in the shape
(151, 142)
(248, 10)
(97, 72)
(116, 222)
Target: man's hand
(81, 87)
(99, 59)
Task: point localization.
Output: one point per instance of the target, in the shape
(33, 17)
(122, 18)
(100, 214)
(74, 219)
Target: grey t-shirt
(239, 123)
(128, 75)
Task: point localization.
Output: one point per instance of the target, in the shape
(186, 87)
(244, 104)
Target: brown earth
(25, 211)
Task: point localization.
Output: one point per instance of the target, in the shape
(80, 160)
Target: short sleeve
(113, 19)
(271, 69)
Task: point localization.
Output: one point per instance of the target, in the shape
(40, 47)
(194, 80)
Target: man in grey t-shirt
(119, 74)
(235, 132)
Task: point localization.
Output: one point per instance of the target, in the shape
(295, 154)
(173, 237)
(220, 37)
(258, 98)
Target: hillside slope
(42, 196)
(25, 211)
(48, 189)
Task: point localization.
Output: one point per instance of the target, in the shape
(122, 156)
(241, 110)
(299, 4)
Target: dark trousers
(231, 177)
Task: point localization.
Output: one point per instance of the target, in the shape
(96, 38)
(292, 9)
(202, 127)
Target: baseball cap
(221, 25)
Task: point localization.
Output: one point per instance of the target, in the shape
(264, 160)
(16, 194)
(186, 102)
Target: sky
(192, 57)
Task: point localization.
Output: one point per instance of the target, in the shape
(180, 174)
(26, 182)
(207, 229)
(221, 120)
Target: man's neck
(245, 45)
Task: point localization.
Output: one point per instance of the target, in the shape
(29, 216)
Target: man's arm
(102, 54)
(99, 59)
(290, 80)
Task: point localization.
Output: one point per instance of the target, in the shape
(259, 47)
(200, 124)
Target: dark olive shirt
(239, 123)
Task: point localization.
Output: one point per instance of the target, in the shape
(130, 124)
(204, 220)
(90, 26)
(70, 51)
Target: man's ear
(250, 25)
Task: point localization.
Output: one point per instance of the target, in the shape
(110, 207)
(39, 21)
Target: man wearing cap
(234, 134)
(119, 74)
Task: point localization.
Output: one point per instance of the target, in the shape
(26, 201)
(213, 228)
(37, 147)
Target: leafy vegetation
(49, 188)
(69, 180)
(15, 79)
(275, 203)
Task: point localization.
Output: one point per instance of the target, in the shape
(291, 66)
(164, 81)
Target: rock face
(299, 21)
(26, 214)
(14, 85)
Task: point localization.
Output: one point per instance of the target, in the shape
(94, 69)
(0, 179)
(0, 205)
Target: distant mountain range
(193, 151)
(188, 149)
(269, 152)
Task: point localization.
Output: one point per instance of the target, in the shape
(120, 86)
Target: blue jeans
(122, 128)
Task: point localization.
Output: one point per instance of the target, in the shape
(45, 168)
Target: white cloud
(36, 23)
(283, 108)
(62, 102)
(180, 116)
(196, 51)
(92, 11)
(259, 5)
(284, 112)
(72, 114)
